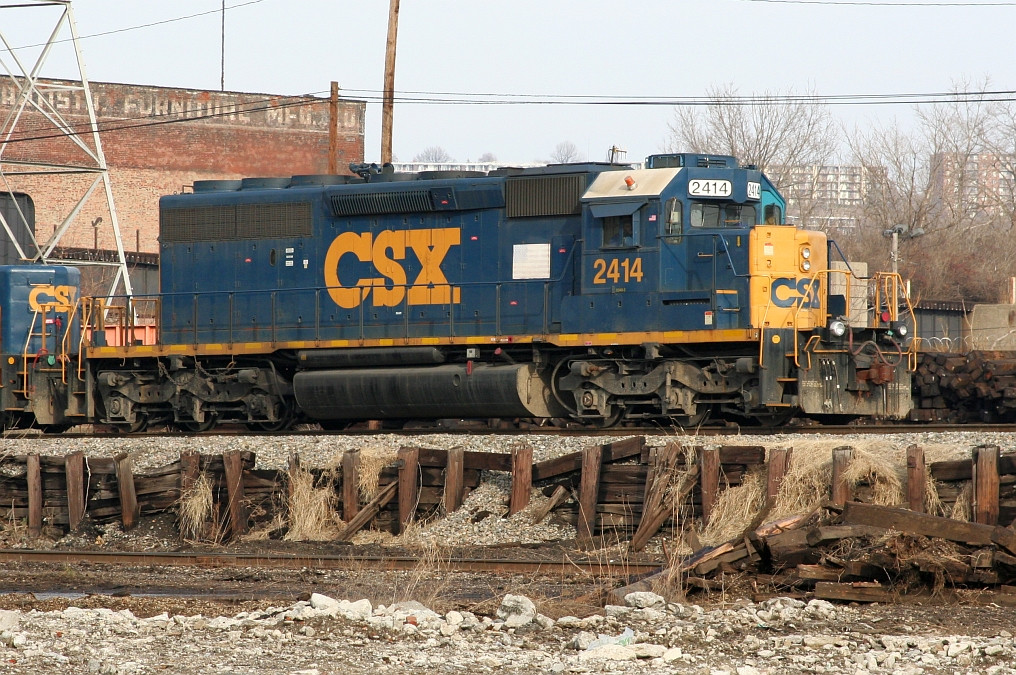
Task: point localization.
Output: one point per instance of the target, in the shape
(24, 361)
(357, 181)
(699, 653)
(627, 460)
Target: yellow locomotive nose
(789, 278)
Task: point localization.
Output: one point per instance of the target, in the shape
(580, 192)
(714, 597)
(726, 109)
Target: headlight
(805, 252)
(899, 328)
(806, 265)
(837, 328)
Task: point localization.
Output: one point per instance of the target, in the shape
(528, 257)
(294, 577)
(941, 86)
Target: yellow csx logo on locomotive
(384, 251)
(59, 298)
(796, 293)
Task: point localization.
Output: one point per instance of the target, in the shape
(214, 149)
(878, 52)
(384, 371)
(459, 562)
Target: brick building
(159, 140)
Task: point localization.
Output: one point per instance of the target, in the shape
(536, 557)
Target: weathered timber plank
(709, 479)
(985, 478)
(790, 548)
(454, 479)
(855, 592)
(74, 466)
(841, 490)
(779, 464)
(522, 478)
(819, 572)
(660, 509)
(909, 522)
(129, 509)
(827, 533)
(592, 460)
(368, 512)
(408, 487)
(350, 484)
(233, 465)
(751, 455)
(623, 449)
(917, 474)
(559, 496)
(483, 461)
(34, 478)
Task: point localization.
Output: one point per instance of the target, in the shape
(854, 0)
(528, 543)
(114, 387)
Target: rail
(564, 565)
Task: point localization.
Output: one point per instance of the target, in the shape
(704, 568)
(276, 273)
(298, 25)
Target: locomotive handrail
(277, 298)
(726, 249)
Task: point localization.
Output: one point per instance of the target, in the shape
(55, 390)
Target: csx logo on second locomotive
(796, 293)
(56, 298)
(430, 287)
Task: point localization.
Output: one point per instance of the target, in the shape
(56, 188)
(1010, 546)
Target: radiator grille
(409, 201)
(273, 221)
(232, 222)
(543, 195)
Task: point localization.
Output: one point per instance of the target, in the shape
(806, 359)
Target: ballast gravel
(326, 450)
(324, 635)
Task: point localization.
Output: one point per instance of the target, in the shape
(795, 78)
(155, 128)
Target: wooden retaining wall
(625, 490)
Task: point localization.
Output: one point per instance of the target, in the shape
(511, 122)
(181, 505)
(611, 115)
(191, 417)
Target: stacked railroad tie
(976, 387)
(858, 552)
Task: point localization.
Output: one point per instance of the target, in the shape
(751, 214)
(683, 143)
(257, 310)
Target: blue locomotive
(588, 292)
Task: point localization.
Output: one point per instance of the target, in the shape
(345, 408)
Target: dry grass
(264, 531)
(311, 510)
(374, 458)
(735, 507)
(963, 509)
(196, 511)
(809, 479)
(428, 582)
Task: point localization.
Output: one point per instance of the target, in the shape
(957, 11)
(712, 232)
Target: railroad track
(836, 430)
(208, 560)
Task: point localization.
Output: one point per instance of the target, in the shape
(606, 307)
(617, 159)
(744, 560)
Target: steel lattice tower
(34, 125)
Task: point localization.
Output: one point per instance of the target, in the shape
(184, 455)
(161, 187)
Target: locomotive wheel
(693, 421)
(606, 422)
(137, 426)
(286, 418)
(777, 419)
(198, 427)
(54, 428)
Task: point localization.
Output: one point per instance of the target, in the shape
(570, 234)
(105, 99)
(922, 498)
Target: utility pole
(333, 129)
(388, 102)
(222, 71)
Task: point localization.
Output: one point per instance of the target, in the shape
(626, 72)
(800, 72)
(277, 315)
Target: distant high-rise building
(823, 194)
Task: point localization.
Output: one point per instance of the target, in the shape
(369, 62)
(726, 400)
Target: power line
(870, 3)
(130, 28)
(490, 98)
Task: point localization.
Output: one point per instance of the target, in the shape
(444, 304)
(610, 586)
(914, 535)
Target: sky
(593, 51)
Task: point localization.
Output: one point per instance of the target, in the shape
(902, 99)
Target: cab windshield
(708, 215)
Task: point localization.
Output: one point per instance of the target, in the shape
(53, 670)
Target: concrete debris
(327, 636)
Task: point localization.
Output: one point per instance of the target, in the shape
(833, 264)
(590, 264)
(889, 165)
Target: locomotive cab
(40, 336)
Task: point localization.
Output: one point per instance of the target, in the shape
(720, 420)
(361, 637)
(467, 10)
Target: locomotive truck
(594, 293)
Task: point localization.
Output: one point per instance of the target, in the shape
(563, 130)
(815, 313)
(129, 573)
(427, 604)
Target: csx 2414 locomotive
(590, 292)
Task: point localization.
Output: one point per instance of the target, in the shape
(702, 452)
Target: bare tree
(781, 133)
(767, 130)
(940, 179)
(487, 158)
(435, 154)
(565, 152)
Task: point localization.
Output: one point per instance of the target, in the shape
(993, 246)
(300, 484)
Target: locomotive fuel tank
(450, 390)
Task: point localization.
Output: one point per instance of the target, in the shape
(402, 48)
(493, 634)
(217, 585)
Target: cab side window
(673, 225)
(773, 214)
(620, 231)
(722, 215)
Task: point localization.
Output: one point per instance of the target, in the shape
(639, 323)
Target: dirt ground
(148, 591)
